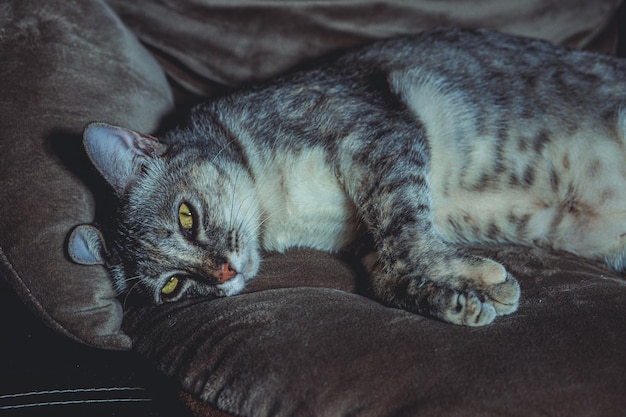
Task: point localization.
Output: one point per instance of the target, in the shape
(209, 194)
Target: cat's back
(458, 52)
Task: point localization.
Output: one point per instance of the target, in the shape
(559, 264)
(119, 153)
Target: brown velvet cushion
(63, 64)
(302, 351)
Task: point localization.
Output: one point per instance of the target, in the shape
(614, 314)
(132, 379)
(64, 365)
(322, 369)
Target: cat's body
(448, 136)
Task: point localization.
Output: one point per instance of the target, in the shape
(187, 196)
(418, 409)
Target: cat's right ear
(119, 153)
(86, 245)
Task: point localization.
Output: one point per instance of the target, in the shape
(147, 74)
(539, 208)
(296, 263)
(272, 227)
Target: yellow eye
(170, 287)
(185, 217)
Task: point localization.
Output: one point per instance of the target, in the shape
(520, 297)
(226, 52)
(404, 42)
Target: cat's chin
(247, 266)
(233, 286)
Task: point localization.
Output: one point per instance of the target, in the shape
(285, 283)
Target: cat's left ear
(119, 153)
(86, 245)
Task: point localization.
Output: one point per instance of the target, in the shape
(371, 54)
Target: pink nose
(227, 273)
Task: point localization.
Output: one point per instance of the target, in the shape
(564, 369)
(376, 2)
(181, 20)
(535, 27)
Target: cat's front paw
(475, 305)
(464, 290)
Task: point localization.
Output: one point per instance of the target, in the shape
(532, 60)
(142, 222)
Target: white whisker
(223, 149)
(135, 285)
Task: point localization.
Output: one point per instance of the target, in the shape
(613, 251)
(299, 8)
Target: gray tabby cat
(419, 143)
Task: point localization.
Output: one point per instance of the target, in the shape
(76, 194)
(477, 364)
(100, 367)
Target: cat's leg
(413, 267)
(455, 287)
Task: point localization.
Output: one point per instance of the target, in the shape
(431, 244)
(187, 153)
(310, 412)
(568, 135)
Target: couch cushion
(203, 42)
(327, 352)
(64, 64)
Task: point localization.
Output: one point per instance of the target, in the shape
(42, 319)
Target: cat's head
(186, 224)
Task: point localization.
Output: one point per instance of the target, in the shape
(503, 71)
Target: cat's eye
(185, 218)
(170, 287)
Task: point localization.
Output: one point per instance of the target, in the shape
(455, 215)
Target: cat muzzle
(227, 273)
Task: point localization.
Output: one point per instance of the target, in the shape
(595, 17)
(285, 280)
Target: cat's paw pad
(476, 305)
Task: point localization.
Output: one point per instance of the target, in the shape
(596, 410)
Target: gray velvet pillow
(64, 64)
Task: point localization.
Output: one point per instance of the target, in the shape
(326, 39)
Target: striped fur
(451, 136)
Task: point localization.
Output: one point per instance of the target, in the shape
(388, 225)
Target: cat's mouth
(233, 286)
(241, 269)
(227, 273)
(231, 282)
(245, 264)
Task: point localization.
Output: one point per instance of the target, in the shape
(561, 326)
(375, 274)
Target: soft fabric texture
(64, 63)
(300, 342)
(326, 352)
(204, 42)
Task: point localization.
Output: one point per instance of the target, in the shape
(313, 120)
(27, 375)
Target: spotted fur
(419, 143)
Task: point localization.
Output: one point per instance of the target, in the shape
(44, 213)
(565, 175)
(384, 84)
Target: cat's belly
(545, 180)
(571, 197)
(304, 206)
